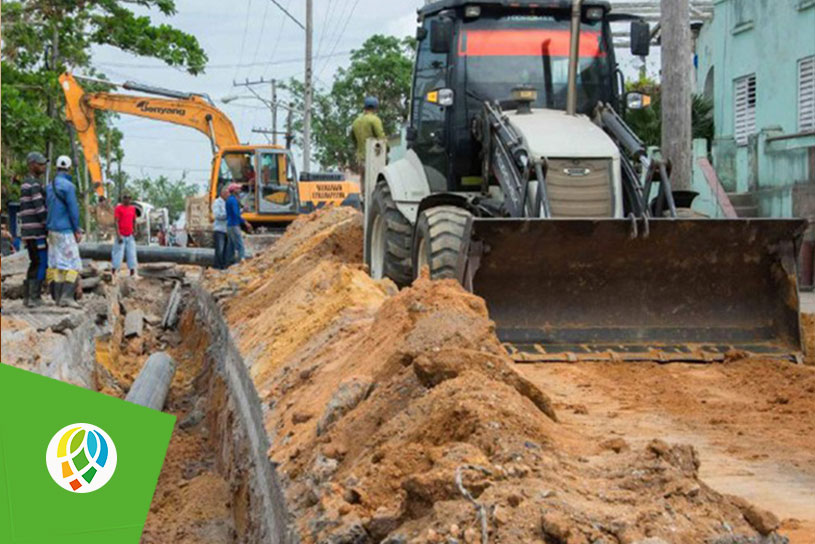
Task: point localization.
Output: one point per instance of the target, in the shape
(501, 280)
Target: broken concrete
(170, 318)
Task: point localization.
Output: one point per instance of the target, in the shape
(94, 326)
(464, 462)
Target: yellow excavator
(272, 195)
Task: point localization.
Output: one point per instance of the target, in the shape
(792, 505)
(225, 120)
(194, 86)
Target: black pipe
(153, 254)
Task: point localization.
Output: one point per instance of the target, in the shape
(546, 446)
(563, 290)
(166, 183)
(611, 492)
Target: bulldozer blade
(611, 289)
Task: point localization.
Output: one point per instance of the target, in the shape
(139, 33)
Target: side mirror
(421, 33)
(441, 34)
(637, 101)
(640, 38)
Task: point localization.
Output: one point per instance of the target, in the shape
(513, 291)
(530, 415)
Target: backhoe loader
(272, 195)
(521, 181)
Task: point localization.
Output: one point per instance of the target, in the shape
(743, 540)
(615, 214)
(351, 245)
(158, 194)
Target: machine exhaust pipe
(574, 50)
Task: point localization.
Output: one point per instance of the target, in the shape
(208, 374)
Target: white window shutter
(745, 106)
(806, 94)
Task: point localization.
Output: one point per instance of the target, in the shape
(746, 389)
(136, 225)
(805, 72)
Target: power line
(326, 21)
(165, 168)
(245, 32)
(342, 33)
(342, 13)
(290, 16)
(221, 66)
(262, 28)
(277, 42)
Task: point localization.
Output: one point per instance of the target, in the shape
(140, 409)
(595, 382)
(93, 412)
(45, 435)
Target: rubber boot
(67, 291)
(35, 293)
(27, 293)
(56, 292)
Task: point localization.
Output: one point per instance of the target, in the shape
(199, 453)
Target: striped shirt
(32, 214)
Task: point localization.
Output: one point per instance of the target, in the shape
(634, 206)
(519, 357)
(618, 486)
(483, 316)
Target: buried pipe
(153, 254)
(153, 382)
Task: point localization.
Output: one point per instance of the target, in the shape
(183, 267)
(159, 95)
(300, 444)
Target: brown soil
(751, 421)
(378, 399)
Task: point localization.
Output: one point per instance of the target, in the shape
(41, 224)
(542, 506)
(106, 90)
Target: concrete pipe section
(152, 385)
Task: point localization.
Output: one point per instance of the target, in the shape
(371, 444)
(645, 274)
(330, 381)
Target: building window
(806, 94)
(745, 103)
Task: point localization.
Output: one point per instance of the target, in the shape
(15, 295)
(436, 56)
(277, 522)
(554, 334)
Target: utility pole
(289, 135)
(677, 63)
(51, 104)
(272, 105)
(309, 90)
(107, 157)
(119, 180)
(274, 111)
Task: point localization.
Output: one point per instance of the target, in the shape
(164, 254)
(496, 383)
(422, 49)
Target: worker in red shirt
(124, 218)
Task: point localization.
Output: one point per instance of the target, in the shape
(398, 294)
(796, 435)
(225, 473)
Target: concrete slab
(134, 323)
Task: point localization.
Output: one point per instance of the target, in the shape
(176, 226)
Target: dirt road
(751, 421)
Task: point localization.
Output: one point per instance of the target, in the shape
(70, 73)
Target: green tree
(163, 192)
(382, 67)
(43, 38)
(647, 122)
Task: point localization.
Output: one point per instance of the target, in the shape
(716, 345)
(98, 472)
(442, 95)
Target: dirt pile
(398, 417)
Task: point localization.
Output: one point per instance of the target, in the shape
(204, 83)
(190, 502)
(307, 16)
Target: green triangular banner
(75, 466)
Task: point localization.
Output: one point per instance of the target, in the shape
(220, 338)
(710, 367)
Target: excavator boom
(191, 111)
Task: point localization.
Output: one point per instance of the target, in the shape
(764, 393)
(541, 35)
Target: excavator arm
(189, 110)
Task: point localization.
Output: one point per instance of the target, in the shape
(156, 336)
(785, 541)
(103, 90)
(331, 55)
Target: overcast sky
(244, 39)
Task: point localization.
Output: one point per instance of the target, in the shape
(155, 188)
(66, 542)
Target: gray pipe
(153, 382)
(574, 51)
(153, 254)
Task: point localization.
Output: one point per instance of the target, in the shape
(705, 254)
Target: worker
(124, 245)
(220, 240)
(367, 125)
(234, 221)
(103, 213)
(32, 218)
(64, 235)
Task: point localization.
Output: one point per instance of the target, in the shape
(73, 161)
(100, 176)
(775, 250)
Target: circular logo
(81, 458)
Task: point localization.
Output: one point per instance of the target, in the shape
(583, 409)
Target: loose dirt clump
(398, 417)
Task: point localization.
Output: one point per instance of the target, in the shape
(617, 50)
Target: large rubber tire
(389, 238)
(439, 240)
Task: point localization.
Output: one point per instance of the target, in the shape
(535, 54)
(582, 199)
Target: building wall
(766, 38)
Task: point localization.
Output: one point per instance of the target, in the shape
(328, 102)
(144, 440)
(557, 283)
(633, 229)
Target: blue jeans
(124, 246)
(223, 250)
(235, 237)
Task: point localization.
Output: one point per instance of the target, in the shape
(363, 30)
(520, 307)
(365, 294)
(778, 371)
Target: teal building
(755, 59)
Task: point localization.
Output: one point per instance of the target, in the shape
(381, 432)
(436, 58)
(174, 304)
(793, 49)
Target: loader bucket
(671, 290)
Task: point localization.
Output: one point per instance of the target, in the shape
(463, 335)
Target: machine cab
(267, 180)
(270, 190)
(471, 52)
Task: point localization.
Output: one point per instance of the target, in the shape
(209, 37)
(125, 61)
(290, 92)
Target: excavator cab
(267, 181)
(271, 193)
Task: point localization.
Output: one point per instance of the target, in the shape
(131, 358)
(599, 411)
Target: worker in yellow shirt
(367, 125)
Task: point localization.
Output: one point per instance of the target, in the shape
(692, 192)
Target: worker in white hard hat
(64, 235)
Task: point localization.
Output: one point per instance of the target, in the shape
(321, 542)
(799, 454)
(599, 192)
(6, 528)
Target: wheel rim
(421, 257)
(378, 248)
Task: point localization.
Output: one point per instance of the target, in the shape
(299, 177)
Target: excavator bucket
(611, 289)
